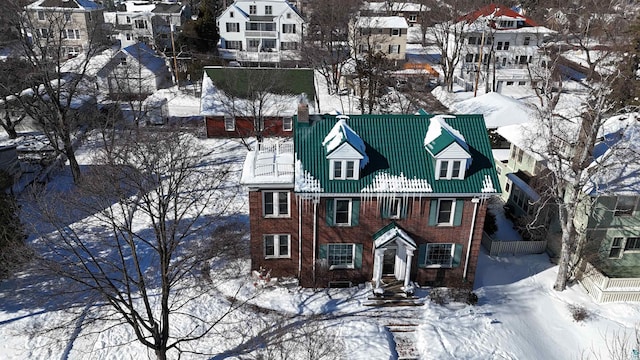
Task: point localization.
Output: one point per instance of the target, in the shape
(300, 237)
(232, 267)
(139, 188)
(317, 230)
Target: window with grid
(394, 209)
(268, 9)
(289, 45)
(440, 255)
(41, 15)
(632, 243)
(277, 246)
(445, 211)
(276, 203)
(616, 248)
(235, 45)
(229, 123)
(394, 49)
(340, 255)
(140, 24)
(233, 27)
(253, 9)
(287, 123)
(342, 214)
(289, 28)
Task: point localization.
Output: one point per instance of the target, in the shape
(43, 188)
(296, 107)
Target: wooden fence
(514, 247)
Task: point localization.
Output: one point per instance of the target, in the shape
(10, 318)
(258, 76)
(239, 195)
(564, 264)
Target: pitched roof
(167, 8)
(381, 22)
(146, 56)
(342, 133)
(66, 4)
(398, 161)
(495, 11)
(440, 135)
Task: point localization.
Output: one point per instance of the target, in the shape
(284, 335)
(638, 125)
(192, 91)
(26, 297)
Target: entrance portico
(393, 255)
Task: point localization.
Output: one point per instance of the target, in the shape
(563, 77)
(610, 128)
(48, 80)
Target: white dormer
(448, 148)
(345, 151)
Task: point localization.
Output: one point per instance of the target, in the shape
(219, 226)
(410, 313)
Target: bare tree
(147, 208)
(325, 47)
(47, 44)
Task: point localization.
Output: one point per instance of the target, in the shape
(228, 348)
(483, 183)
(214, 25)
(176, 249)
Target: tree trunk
(73, 162)
(563, 264)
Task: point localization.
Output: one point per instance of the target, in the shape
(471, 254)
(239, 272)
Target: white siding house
(263, 31)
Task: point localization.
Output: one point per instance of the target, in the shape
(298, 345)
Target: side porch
(604, 288)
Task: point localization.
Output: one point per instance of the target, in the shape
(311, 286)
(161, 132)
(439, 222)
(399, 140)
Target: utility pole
(173, 49)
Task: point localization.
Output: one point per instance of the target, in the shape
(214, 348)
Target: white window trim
(276, 205)
(451, 216)
(287, 123)
(450, 163)
(343, 169)
(276, 246)
(229, 123)
(335, 212)
(437, 266)
(353, 256)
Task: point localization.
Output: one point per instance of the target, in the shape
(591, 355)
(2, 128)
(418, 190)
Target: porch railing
(274, 159)
(606, 289)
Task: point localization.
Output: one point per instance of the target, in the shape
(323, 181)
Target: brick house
(245, 102)
(366, 197)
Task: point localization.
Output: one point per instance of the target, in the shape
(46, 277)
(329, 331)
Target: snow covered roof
(440, 135)
(392, 232)
(65, 4)
(383, 6)
(381, 22)
(498, 110)
(146, 56)
(341, 133)
(224, 91)
(495, 12)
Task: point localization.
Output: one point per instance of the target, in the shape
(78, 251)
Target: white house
(136, 72)
(262, 31)
(386, 34)
(500, 48)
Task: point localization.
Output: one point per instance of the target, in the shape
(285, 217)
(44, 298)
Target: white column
(377, 267)
(407, 273)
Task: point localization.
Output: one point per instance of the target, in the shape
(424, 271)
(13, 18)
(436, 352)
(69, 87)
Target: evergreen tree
(13, 251)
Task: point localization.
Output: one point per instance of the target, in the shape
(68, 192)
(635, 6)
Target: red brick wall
(244, 127)
(370, 221)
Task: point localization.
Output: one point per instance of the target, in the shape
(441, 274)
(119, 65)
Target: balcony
(260, 34)
(255, 56)
(269, 164)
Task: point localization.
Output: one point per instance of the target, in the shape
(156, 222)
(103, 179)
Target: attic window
(344, 170)
(231, 14)
(123, 61)
(229, 123)
(450, 169)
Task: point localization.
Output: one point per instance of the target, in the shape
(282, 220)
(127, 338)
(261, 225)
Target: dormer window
(450, 169)
(344, 169)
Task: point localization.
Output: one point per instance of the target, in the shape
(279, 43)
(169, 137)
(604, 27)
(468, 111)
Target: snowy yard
(518, 316)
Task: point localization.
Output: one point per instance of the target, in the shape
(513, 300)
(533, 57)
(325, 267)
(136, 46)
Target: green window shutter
(355, 212)
(322, 251)
(457, 255)
(422, 255)
(357, 260)
(330, 212)
(433, 212)
(457, 217)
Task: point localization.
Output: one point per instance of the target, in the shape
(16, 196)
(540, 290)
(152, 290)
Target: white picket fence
(513, 247)
(605, 289)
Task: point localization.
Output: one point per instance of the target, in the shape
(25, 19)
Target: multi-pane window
(71, 34)
(253, 9)
(395, 32)
(340, 255)
(269, 43)
(632, 243)
(450, 169)
(445, 211)
(289, 28)
(41, 15)
(268, 9)
(277, 246)
(413, 18)
(289, 45)
(229, 123)
(439, 255)
(616, 248)
(234, 45)
(473, 40)
(394, 209)
(276, 203)
(44, 33)
(394, 49)
(344, 169)
(233, 27)
(123, 60)
(253, 43)
(287, 123)
(527, 40)
(67, 16)
(140, 24)
(625, 205)
(342, 212)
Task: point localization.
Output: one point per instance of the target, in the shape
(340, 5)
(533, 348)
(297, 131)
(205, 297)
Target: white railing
(274, 159)
(605, 289)
(515, 247)
(261, 34)
(255, 56)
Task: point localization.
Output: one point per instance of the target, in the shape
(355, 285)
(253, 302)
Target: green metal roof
(241, 81)
(395, 147)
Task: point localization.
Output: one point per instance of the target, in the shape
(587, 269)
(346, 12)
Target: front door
(389, 261)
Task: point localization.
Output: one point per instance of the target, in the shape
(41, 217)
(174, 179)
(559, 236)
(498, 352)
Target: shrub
(490, 224)
(439, 296)
(578, 313)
